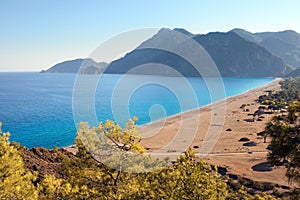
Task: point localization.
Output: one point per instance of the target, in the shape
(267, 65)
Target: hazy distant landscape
(237, 53)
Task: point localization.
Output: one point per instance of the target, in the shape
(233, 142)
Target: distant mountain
(233, 55)
(157, 57)
(236, 53)
(294, 73)
(247, 35)
(284, 44)
(181, 30)
(86, 66)
(236, 56)
(289, 36)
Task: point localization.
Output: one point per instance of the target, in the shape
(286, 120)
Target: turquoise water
(37, 108)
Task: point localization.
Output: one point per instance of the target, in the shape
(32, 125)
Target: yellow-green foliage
(187, 179)
(265, 196)
(15, 183)
(241, 194)
(53, 188)
(86, 178)
(110, 135)
(115, 147)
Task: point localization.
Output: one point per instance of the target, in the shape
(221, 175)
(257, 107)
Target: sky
(36, 34)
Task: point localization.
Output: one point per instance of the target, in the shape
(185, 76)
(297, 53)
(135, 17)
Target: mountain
(293, 73)
(236, 56)
(288, 52)
(247, 35)
(289, 36)
(181, 30)
(236, 53)
(233, 55)
(86, 66)
(151, 57)
(284, 44)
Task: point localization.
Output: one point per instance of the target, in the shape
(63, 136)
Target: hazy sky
(36, 34)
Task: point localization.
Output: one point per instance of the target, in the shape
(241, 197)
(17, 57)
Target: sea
(44, 109)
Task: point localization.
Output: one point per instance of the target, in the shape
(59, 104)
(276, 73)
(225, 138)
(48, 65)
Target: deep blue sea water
(37, 108)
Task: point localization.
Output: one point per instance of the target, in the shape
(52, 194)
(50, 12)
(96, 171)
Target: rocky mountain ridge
(237, 53)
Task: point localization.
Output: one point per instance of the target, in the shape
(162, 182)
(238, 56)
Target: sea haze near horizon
(36, 108)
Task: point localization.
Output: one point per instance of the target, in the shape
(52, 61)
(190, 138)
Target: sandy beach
(157, 135)
(167, 137)
(219, 127)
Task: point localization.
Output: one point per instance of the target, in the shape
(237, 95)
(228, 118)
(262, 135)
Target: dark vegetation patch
(249, 120)
(261, 133)
(262, 167)
(249, 144)
(244, 139)
(243, 106)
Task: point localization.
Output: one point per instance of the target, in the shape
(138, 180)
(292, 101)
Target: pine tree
(15, 182)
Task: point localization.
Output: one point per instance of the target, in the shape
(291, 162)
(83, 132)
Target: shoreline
(142, 126)
(156, 135)
(228, 152)
(216, 102)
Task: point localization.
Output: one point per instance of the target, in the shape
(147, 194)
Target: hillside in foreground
(52, 174)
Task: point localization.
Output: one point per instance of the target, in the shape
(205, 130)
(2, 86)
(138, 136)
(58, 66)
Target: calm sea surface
(37, 108)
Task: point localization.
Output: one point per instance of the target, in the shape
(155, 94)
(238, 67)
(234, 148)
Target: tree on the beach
(290, 90)
(285, 143)
(284, 130)
(294, 113)
(280, 143)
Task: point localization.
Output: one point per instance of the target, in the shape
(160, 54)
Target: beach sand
(223, 123)
(168, 136)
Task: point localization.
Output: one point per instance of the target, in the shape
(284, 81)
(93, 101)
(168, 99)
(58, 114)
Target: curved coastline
(228, 152)
(262, 87)
(173, 119)
(160, 132)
